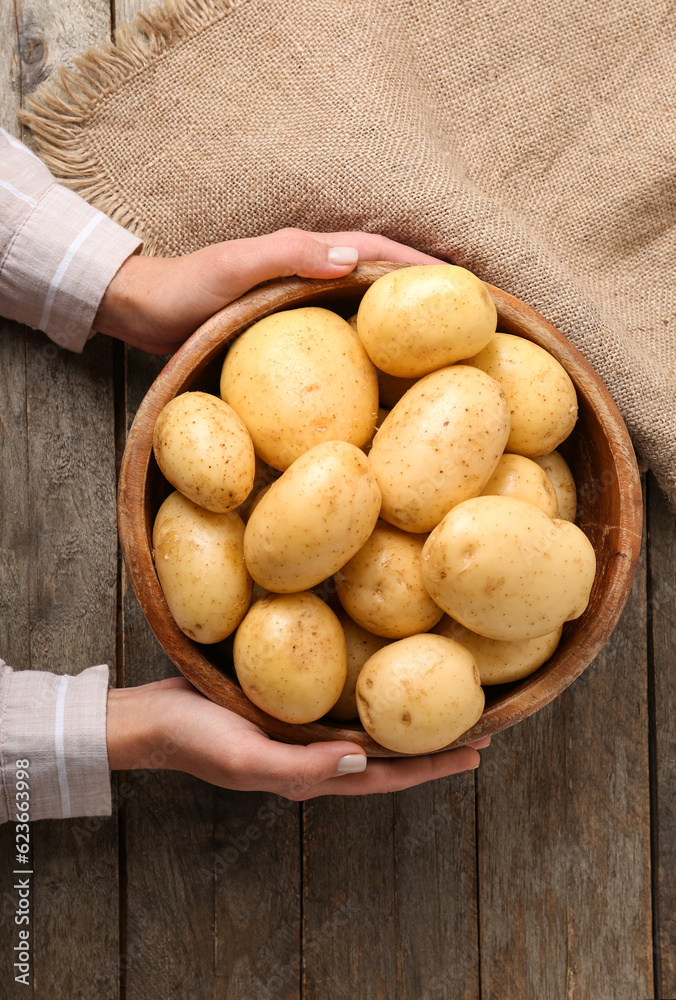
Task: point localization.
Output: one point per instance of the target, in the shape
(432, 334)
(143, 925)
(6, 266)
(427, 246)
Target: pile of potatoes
(385, 563)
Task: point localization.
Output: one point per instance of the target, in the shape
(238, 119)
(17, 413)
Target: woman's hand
(155, 303)
(170, 725)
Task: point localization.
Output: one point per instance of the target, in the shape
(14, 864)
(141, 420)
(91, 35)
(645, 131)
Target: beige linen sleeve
(58, 725)
(57, 253)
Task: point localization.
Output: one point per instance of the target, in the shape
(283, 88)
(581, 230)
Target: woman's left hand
(155, 303)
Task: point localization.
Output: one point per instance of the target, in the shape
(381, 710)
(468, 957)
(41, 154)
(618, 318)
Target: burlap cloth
(533, 141)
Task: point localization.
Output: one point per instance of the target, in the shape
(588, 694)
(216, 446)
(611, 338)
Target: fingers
(341, 768)
(394, 775)
(241, 264)
(372, 246)
(156, 303)
(297, 772)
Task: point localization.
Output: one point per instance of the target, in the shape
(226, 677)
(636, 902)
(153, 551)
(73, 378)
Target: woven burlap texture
(533, 142)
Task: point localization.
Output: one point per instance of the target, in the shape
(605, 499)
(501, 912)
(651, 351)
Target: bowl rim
(194, 356)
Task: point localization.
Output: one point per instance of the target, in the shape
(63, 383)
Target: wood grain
(437, 892)
(14, 569)
(65, 598)
(257, 869)
(350, 940)
(58, 614)
(564, 836)
(73, 566)
(126, 10)
(662, 633)
(10, 78)
(522, 869)
(389, 895)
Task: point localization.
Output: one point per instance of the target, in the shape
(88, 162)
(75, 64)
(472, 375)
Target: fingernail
(352, 763)
(343, 256)
(484, 742)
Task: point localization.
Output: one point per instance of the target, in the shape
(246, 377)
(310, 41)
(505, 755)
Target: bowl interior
(599, 453)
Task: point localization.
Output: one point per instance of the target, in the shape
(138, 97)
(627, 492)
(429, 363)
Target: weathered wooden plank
(72, 593)
(435, 839)
(608, 818)
(10, 77)
(662, 626)
(564, 836)
(168, 823)
(14, 611)
(126, 10)
(59, 614)
(14, 528)
(390, 896)
(65, 604)
(35, 38)
(521, 786)
(350, 936)
(14, 524)
(258, 875)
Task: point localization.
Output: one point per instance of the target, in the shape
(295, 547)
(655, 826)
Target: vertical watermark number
(24, 872)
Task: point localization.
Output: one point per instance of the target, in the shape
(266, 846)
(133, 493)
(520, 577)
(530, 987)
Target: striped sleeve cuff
(60, 264)
(58, 725)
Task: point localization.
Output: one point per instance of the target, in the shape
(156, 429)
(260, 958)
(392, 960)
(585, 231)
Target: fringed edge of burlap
(57, 111)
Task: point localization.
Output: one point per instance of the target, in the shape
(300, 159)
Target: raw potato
(419, 694)
(417, 319)
(290, 657)
(516, 476)
(541, 396)
(501, 662)
(381, 587)
(360, 646)
(200, 565)
(298, 378)
(203, 448)
(562, 480)
(439, 445)
(313, 519)
(504, 569)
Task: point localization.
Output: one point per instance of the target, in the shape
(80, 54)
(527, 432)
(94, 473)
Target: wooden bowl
(599, 452)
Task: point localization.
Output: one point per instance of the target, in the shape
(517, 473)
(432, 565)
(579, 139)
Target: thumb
(234, 267)
(297, 771)
(293, 251)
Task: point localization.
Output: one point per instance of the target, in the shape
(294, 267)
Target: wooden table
(550, 873)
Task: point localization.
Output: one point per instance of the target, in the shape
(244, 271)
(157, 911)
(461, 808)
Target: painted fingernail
(352, 763)
(343, 255)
